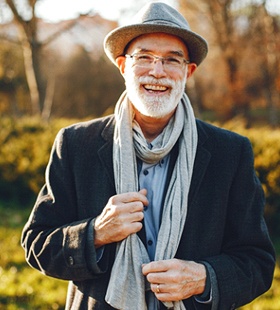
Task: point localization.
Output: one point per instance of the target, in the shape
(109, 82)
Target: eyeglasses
(146, 60)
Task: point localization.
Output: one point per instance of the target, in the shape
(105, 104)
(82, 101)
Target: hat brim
(117, 40)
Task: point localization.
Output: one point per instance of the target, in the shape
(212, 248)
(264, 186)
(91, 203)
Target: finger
(132, 207)
(143, 191)
(118, 205)
(156, 266)
(131, 197)
(131, 217)
(157, 288)
(164, 292)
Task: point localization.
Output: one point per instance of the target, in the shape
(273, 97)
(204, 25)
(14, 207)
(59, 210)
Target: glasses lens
(144, 60)
(147, 60)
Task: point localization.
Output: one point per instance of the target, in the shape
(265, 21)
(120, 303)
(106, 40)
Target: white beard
(153, 106)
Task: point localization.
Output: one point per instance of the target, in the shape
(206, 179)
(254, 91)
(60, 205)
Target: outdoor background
(53, 72)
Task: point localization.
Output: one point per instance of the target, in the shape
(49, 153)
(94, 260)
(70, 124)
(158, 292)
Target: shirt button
(71, 260)
(150, 242)
(146, 172)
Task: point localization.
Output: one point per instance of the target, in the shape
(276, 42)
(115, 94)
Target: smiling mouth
(155, 88)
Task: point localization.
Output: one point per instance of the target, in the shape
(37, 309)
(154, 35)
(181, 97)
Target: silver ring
(158, 290)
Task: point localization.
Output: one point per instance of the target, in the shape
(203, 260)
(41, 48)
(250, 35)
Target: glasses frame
(162, 59)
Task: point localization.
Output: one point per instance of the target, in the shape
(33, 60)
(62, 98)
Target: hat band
(161, 22)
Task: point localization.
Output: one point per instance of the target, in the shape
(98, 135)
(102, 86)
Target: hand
(121, 217)
(174, 280)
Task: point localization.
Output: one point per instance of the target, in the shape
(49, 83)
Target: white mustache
(151, 80)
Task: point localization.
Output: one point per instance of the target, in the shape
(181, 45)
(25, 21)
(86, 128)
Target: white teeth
(155, 87)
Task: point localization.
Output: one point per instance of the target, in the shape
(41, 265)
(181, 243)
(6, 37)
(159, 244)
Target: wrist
(205, 294)
(98, 239)
(201, 283)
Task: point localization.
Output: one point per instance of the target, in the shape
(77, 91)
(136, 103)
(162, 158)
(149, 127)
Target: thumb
(143, 191)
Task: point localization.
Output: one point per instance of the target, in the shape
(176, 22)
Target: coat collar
(202, 159)
(106, 150)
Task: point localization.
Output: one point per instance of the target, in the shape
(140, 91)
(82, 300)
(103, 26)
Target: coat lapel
(105, 152)
(202, 160)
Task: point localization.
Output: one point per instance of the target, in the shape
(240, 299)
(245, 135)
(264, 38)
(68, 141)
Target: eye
(145, 57)
(173, 60)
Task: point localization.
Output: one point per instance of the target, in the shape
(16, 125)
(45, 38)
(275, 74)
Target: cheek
(137, 72)
(178, 76)
(133, 75)
(131, 70)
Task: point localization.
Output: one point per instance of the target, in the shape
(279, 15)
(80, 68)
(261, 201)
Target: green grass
(22, 287)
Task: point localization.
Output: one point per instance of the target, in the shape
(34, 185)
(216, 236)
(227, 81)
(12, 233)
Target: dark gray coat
(224, 225)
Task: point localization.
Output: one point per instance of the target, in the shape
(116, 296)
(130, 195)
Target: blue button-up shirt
(153, 178)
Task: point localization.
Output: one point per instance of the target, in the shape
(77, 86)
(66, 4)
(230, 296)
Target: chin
(154, 108)
(155, 115)
(152, 111)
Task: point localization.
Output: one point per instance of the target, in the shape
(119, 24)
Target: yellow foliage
(270, 300)
(26, 144)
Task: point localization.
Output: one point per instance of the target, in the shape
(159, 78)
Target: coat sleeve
(244, 269)
(55, 242)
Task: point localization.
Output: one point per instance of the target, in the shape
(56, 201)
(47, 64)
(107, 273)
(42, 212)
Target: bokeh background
(53, 72)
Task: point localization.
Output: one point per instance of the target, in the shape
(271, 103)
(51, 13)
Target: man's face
(155, 86)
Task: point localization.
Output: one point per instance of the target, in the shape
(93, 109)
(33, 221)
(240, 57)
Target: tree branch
(13, 8)
(60, 32)
(10, 40)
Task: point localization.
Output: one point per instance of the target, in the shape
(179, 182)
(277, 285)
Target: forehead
(158, 42)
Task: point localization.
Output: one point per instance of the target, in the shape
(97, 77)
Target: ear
(120, 61)
(191, 68)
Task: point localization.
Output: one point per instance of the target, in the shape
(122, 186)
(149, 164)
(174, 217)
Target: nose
(157, 69)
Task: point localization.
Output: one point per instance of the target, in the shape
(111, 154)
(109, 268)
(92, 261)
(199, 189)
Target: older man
(150, 208)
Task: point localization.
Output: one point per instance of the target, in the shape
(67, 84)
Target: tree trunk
(30, 73)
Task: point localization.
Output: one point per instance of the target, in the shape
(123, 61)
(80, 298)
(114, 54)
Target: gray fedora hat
(155, 17)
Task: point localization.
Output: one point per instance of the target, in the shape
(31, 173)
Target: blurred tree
(219, 15)
(86, 86)
(243, 56)
(27, 22)
(11, 76)
(266, 34)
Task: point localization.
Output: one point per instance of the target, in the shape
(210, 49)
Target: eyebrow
(177, 52)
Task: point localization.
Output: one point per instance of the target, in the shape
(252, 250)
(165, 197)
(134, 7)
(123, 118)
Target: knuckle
(173, 278)
(140, 205)
(113, 212)
(131, 196)
(113, 207)
(150, 277)
(138, 226)
(140, 216)
(113, 200)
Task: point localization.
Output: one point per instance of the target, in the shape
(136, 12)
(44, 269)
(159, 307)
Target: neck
(150, 126)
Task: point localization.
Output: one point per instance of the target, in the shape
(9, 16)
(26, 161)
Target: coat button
(71, 260)
(232, 306)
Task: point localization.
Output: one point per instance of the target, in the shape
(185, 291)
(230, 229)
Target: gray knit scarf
(127, 285)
